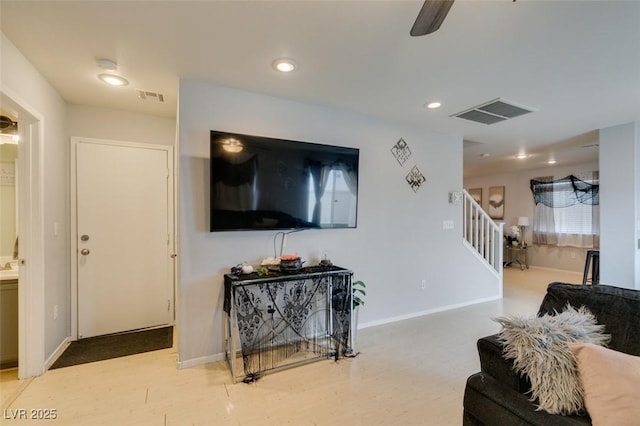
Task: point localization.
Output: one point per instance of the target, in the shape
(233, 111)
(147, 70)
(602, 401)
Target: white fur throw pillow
(538, 347)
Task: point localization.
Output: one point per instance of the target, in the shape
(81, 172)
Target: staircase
(482, 236)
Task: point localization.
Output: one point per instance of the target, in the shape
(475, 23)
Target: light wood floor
(411, 372)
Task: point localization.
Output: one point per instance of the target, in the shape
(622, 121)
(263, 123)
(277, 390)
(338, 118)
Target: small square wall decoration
(415, 179)
(401, 151)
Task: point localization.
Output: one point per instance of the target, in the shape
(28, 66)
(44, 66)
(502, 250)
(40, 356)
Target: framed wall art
(476, 194)
(496, 202)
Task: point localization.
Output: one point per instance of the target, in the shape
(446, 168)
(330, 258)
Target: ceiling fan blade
(430, 17)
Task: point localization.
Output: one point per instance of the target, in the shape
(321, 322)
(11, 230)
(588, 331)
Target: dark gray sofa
(497, 395)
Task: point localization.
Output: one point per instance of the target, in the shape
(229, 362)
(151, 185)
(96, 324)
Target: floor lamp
(523, 223)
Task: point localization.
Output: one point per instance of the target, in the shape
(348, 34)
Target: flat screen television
(276, 184)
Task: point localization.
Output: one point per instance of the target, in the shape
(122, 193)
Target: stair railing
(482, 234)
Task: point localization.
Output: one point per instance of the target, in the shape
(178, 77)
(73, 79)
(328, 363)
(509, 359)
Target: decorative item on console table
(290, 263)
(241, 268)
(325, 262)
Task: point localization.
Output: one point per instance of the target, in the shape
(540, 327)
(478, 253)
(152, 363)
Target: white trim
(427, 312)
(176, 241)
(31, 290)
(56, 354)
(202, 360)
(75, 140)
(545, 268)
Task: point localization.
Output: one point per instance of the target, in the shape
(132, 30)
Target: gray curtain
(320, 174)
(567, 210)
(350, 174)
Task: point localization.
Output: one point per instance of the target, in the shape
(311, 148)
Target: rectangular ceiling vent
(146, 95)
(494, 111)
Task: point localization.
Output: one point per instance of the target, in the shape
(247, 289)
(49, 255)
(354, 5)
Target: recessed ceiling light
(551, 161)
(284, 65)
(484, 155)
(521, 156)
(434, 105)
(113, 80)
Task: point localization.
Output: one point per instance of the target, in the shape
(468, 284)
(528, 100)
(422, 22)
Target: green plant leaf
(357, 290)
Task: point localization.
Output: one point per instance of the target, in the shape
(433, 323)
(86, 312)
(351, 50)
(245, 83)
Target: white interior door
(124, 265)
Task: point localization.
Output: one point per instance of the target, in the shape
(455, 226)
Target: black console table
(286, 319)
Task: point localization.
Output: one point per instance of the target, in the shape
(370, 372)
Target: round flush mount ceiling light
(433, 105)
(284, 65)
(113, 79)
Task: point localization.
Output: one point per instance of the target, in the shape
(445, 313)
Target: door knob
(84, 252)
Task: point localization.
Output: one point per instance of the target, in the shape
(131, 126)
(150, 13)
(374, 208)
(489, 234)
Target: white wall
(399, 240)
(104, 123)
(619, 205)
(519, 202)
(20, 81)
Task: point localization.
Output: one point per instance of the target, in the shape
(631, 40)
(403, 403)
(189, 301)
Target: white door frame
(31, 288)
(75, 140)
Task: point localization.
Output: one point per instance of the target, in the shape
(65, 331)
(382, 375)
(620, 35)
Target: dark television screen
(266, 183)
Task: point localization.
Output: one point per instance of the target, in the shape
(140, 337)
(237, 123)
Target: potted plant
(357, 292)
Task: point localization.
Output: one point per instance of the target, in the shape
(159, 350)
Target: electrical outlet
(55, 312)
(424, 284)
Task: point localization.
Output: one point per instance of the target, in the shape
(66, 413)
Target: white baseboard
(221, 356)
(202, 360)
(56, 354)
(427, 312)
(544, 268)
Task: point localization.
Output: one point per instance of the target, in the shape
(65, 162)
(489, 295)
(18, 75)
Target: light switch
(447, 224)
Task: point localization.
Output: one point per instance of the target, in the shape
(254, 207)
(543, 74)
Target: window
(567, 211)
(336, 205)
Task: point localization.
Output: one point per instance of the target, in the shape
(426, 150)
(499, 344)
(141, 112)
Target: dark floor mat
(114, 346)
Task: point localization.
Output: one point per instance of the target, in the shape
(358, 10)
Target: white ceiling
(576, 62)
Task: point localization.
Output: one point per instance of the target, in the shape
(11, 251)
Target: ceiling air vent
(149, 95)
(493, 111)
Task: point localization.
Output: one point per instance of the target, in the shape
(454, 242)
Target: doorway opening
(27, 207)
